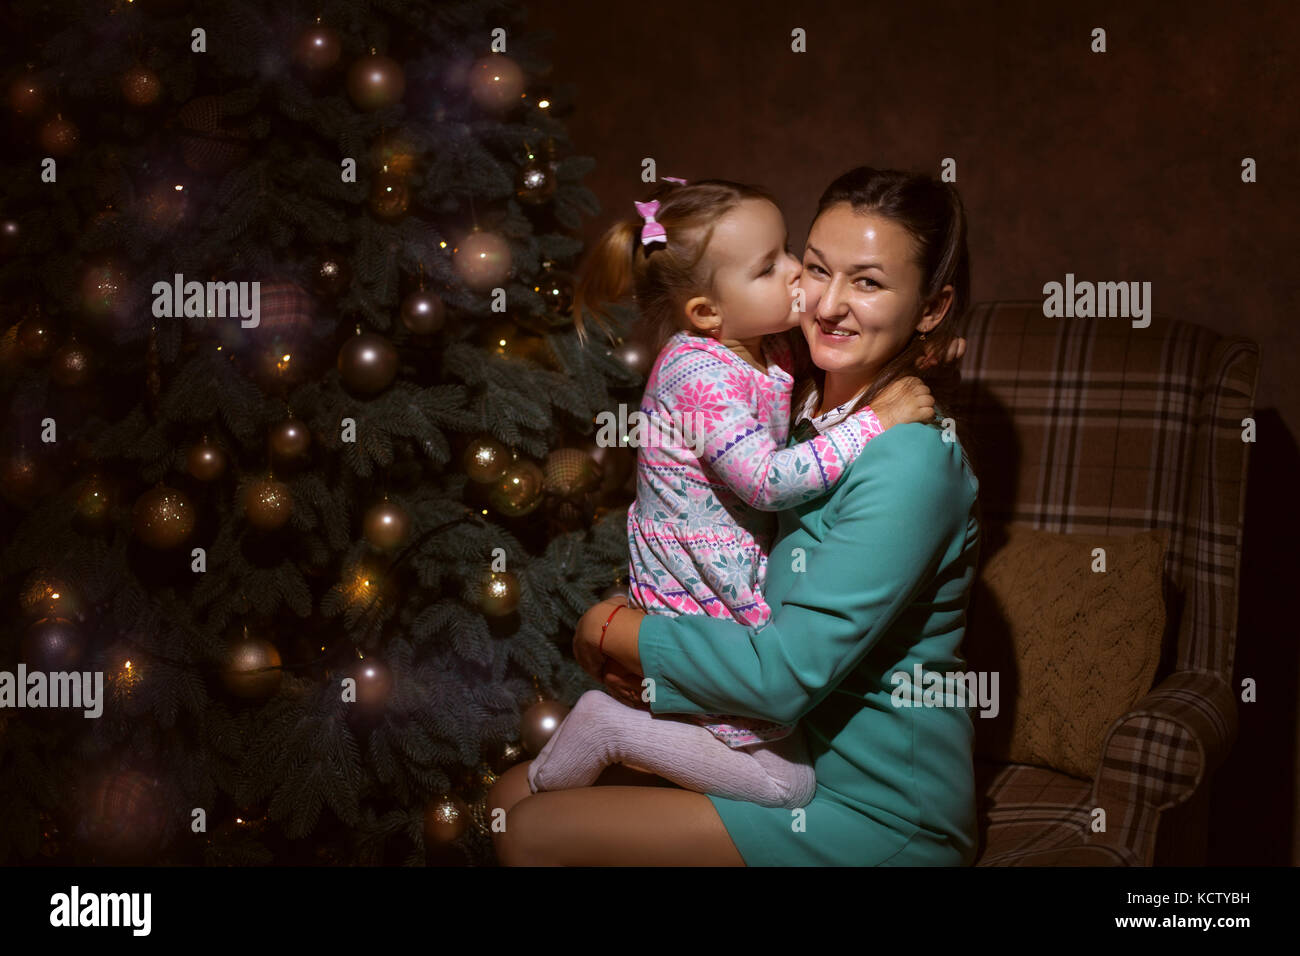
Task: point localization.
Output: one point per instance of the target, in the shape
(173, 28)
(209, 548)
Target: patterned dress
(712, 467)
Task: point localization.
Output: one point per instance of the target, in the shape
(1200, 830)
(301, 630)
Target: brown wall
(1116, 166)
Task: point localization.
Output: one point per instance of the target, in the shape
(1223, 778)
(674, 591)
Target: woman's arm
(899, 520)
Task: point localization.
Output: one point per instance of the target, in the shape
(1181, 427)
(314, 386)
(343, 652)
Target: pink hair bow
(652, 231)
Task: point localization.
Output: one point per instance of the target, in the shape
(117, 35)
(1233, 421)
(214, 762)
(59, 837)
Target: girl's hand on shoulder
(956, 349)
(904, 400)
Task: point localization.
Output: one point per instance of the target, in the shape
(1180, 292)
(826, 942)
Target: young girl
(711, 272)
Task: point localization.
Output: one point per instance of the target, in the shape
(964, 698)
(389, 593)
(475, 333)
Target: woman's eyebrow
(856, 268)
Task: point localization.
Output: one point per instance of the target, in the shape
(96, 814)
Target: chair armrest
(1158, 753)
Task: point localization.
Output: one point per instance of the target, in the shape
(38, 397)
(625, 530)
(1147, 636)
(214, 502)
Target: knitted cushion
(1074, 647)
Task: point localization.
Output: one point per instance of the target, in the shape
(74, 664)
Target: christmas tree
(300, 450)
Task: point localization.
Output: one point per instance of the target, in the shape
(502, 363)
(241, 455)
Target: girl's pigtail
(605, 277)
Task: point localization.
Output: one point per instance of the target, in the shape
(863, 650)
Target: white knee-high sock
(601, 730)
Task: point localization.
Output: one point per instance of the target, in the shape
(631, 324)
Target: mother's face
(862, 291)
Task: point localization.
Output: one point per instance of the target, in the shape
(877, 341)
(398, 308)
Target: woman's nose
(833, 301)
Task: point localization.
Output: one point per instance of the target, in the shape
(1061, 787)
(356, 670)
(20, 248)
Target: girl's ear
(702, 316)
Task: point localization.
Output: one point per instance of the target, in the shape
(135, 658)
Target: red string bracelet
(605, 627)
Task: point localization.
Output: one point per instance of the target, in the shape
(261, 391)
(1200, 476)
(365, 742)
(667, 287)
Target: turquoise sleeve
(904, 506)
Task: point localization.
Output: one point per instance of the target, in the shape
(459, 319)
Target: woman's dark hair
(932, 213)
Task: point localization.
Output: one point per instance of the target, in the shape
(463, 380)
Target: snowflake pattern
(700, 530)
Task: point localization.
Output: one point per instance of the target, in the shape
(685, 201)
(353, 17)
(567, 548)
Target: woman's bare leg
(512, 786)
(608, 825)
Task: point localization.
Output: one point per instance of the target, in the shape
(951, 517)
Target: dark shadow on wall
(1253, 800)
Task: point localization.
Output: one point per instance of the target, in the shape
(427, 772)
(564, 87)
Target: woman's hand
(904, 400)
(622, 682)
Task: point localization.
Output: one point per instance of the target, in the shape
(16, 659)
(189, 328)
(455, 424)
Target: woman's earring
(922, 336)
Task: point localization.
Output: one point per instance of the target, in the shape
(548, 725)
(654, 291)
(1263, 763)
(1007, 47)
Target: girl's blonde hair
(661, 276)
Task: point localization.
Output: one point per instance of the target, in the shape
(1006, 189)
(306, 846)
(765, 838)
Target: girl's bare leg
(608, 826)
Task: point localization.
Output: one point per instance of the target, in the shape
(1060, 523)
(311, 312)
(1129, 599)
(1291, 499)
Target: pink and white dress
(700, 530)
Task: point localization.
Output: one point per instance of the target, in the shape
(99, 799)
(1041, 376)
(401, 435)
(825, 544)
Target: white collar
(823, 422)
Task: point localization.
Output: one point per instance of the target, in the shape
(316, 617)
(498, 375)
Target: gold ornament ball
(252, 668)
(376, 81)
(126, 817)
(35, 337)
(59, 137)
(52, 644)
(556, 288)
(389, 196)
(615, 463)
(10, 233)
(70, 366)
(94, 501)
(27, 95)
(519, 489)
(613, 591)
(568, 472)
(539, 721)
(445, 819)
(423, 312)
(332, 276)
(209, 142)
(290, 439)
(267, 503)
(482, 260)
(165, 205)
(499, 593)
(277, 368)
(506, 755)
(387, 525)
(396, 150)
(496, 82)
(21, 476)
(634, 357)
(163, 517)
(287, 311)
(368, 363)
(141, 86)
(206, 461)
(486, 460)
(535, 183)
(374, 682)
(318, 47)
(101, 289)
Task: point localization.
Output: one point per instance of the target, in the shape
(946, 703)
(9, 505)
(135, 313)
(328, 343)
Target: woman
(865, 584)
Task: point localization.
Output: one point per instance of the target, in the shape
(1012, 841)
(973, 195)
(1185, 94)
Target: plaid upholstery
(1091, 424)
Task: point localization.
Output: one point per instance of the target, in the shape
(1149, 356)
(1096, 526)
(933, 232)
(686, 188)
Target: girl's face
(754, 272)
(862, 288)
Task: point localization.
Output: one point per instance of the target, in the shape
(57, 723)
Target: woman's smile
(833, 333)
